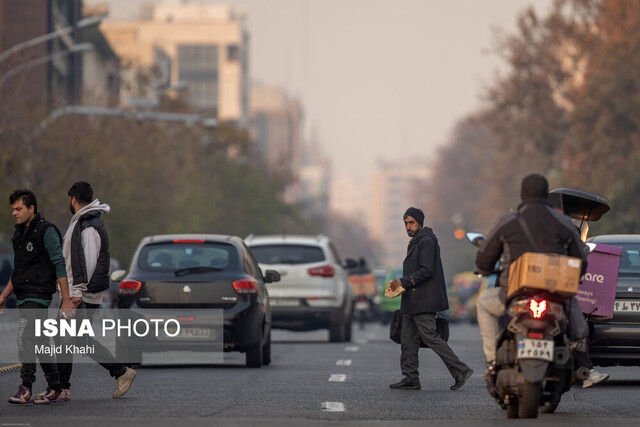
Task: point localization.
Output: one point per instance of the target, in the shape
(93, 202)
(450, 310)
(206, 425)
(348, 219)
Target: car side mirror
(271, 276)
(476, 239)
(117, 275)
(350, 263)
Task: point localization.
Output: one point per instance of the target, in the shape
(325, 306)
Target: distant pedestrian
(38, 266)
(425, 294)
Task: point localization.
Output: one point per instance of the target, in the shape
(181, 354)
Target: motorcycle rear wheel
(551, 406)
(529, 400)
(512, 410)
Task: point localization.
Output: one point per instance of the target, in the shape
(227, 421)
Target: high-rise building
(201, 46)
(393, 189)
(277, 128)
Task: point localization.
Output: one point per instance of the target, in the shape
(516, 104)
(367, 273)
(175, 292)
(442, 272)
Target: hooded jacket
(506, 242)
(423, 276)
(86, 252)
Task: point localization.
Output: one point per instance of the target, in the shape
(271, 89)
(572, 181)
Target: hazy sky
(378, 78)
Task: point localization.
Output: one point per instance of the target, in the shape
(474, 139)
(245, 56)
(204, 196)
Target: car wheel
(347, 329)
(266, 351)
(255, 355)
(338, 331)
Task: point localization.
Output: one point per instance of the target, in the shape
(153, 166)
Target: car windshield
(171, 257)
(288, 254)
(630, 260)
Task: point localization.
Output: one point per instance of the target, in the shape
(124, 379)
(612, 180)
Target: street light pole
(187, 119)
(80, 47)
(83, 23)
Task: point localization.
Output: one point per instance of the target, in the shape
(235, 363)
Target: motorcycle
(534, 357)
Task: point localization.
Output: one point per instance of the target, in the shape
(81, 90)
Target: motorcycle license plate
(360, 305)
(627, 306)
(535, 349)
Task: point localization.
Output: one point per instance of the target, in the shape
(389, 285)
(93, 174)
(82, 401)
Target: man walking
(425, 294)
(38, 265)
(86, 252)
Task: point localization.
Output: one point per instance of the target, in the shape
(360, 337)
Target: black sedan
(210, 274)
(616, 341)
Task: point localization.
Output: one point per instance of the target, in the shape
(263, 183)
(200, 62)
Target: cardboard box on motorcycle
(555, 273)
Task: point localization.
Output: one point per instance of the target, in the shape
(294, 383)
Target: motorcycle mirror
(475, 238)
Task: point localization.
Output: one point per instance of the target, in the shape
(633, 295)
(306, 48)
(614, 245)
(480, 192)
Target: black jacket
(34, 275)
(423, 276)
(555, 233)
(100, 278)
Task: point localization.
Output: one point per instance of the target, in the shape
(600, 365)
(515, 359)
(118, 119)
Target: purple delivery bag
(597, 291)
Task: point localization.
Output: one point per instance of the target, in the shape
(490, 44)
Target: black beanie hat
(534, 186)
(416, 214)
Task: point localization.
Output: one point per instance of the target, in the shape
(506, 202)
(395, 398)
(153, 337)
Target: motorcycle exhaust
(582, 373)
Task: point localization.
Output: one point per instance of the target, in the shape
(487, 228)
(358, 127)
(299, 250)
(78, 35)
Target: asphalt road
(312, 382)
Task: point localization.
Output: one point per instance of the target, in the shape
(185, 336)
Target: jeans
(423, 327)
(489, 307)
(27, 342)
(102, 354)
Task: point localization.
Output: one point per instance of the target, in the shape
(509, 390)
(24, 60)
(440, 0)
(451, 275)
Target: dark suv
(616, 341)
(201, 271)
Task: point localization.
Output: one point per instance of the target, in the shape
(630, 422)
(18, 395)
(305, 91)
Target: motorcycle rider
(507, 241)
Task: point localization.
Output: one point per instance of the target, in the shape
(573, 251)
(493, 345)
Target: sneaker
(462, 380)
(65, 395)
(595, 377)
(405, 384)
(124, 382)
(22, 397)
(49, 396)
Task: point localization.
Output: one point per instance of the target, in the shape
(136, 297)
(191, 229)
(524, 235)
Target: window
(630, 260)
(169, 257)
(288, 254)
(198, 66)
(233, 52)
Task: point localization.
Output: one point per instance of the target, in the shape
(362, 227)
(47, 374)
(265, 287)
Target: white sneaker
(595, 377)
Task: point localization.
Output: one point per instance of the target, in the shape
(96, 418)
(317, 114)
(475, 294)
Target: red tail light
(129, 287)
(538, 308)
(324, 271)
(188, 240)
(536, 335)
(246, 286)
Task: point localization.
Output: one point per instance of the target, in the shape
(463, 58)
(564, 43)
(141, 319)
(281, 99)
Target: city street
(314, 382)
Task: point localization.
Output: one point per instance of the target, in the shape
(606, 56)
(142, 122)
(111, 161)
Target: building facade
(201, 47)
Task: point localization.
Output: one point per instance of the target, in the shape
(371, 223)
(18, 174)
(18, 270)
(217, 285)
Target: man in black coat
(425, 294)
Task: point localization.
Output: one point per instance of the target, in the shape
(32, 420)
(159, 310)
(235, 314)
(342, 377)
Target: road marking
(333, 406)
(352, 348)
(344, 362)
(337, 378)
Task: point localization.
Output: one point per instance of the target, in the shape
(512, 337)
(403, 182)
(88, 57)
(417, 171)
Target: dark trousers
(27, 343)
(101, 354)
(423, 327)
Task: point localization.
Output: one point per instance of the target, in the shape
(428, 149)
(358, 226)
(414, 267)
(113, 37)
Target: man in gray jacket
(86, 253)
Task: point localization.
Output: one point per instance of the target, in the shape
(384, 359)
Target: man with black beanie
(425, 294)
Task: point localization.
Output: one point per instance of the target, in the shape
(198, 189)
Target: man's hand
(68, 308)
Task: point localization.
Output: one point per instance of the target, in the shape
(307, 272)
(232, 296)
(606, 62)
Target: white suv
(313, 291)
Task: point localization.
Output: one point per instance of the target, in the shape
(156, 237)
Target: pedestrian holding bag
(395, 329)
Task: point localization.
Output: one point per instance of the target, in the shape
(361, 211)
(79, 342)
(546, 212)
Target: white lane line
(333, 406)
(352, 348)
(344, 362)
(337, 378)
